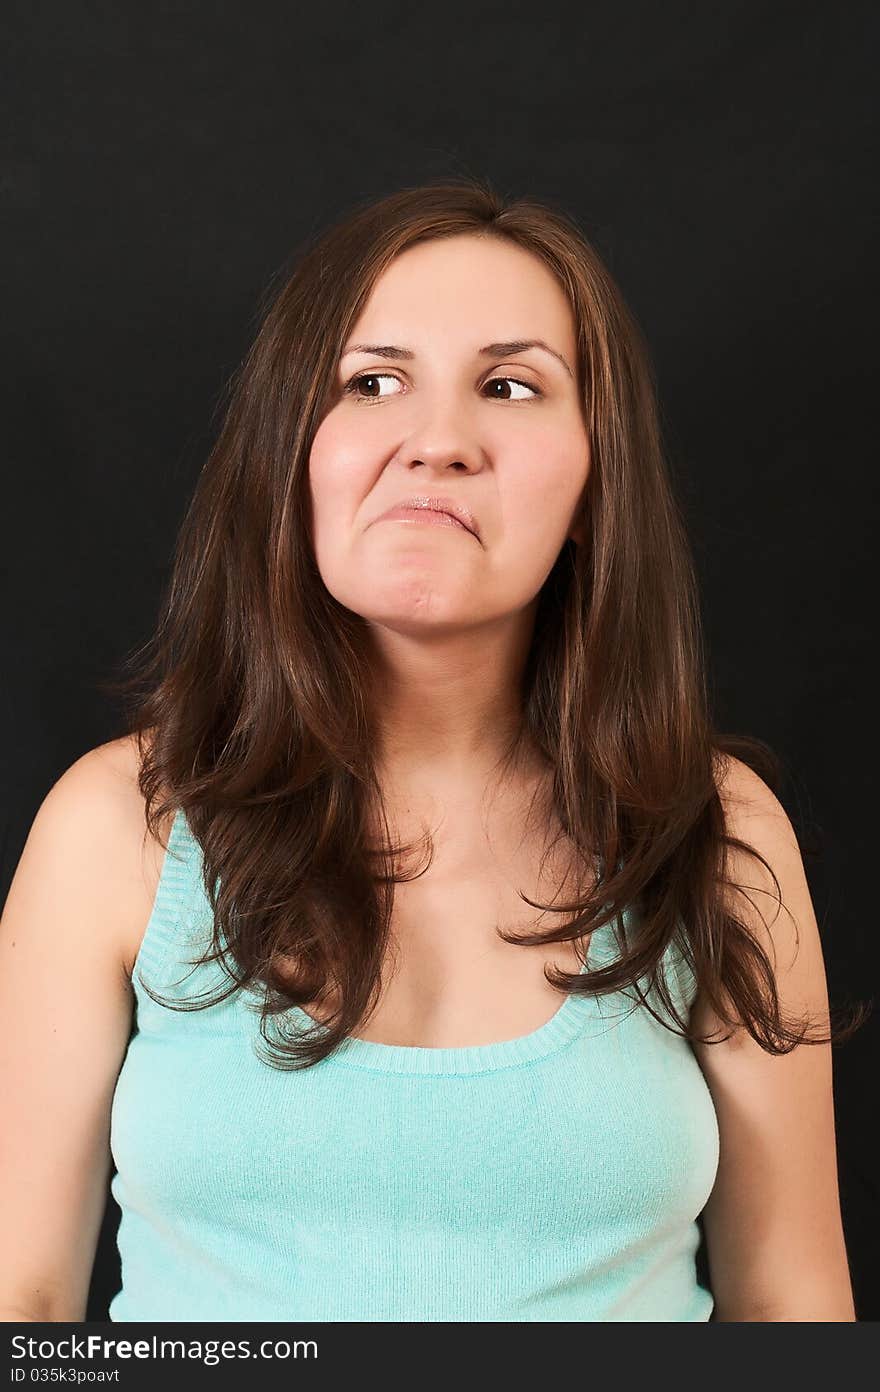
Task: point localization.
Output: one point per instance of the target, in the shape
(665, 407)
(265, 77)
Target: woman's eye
(369, 379)
(495, 381)
(351, 388)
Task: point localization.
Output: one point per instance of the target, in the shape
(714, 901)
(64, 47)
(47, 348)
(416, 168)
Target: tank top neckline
(563, 1027)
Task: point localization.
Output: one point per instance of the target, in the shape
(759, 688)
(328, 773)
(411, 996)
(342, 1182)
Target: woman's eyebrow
(505, 349)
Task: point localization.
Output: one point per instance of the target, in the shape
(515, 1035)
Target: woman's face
(435, 401)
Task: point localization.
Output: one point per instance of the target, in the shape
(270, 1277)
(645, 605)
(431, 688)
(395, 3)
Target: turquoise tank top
(554, 1176)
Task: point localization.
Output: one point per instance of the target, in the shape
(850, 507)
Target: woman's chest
(572, 1141)
(450, 980)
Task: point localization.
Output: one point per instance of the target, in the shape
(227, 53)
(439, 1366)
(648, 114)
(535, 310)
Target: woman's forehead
(465, 291)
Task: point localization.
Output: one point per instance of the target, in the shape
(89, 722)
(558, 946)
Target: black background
(160, 162)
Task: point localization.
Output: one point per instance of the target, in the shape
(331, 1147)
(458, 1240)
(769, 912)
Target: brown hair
(250, 701)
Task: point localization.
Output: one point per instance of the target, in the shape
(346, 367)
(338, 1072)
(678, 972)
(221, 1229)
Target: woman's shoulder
(100, 812)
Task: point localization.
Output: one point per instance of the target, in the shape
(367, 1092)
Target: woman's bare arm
(79, 897)
(773, 1225)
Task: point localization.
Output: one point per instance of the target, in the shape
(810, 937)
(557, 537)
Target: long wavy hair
(250, 701)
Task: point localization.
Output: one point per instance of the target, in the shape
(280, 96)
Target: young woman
(471, 966)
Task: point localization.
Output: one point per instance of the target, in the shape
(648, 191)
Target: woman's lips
(428, 517)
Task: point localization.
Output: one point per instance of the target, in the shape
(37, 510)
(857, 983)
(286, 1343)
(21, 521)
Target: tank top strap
(682, 983)
(675, 969)
(179, 903)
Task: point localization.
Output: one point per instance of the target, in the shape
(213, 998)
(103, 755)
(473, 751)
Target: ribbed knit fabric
(555, 1176)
